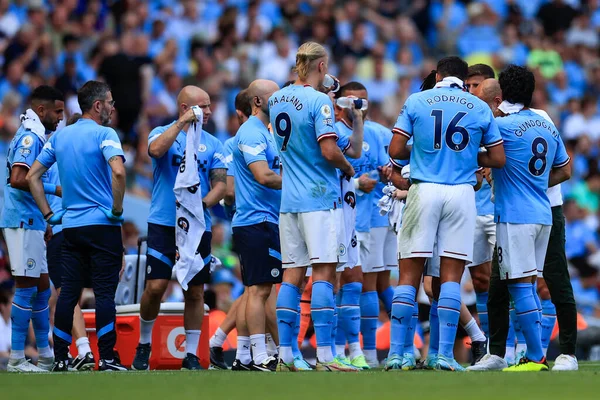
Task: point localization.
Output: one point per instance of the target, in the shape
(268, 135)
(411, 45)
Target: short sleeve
(218, 159)
(343, 141)
(47, 156)
(561, 158)
(110, 144)
(324, 118)
(404, 123)
(491, 135)
(228, 148)
(26, 150)
(253, 147)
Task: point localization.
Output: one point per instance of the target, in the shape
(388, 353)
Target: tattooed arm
(118, 183)
(218, 184)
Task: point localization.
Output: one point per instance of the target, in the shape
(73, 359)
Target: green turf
(584, 384)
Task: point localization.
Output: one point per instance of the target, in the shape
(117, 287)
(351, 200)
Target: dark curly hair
(517, 84)
(453, 66)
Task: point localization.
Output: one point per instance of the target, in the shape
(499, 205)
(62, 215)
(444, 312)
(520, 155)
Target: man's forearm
(37, 191)
(216, 194)
(559, 175)
(357, 137)
(272, 180)
(163, 143)
(118, 191)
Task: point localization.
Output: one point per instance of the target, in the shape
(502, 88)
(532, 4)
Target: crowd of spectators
(147, 50)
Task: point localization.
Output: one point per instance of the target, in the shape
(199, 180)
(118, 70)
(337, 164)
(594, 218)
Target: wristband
(47, 216)
(49, 188)
(356, 184)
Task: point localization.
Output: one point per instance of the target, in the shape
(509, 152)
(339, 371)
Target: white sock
(191, 341)
(83, 346)
(17, 354)
(355, 350)
(218, 338)
(324, 354)
(521, 348)
(510, 353)
(545, 350)
(272, 348)
(474, 332)
(146, 331)
(371, 356)
(286, 354)
(45, 352)
(259, 348)
(243, 350)
(340, 349)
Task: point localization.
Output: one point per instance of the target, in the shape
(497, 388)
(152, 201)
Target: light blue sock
(295, 349)
(402, 310)
(40, 318)
(548, 322)
(369, 316)
(434, 330)
(409, 340)
(482, 311)
(517, 327)
(288, 303)
(538, 303)
(334, 328)
(528, 316)
(20, 315)
(322, 309)
(340, 336)
(386, 298)
(510, 338)
(350, 310)
(448, 312)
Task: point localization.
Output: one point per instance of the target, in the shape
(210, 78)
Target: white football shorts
(383, 251)
(27, 252)
(485, 240)
(521, 249)
(438, 213)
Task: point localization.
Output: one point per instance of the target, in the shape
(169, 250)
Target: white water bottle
(331, 84)
(346, 102)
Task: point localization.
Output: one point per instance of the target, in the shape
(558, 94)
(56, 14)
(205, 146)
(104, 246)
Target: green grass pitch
(209, 385)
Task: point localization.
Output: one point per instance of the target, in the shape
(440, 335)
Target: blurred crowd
(147, 50)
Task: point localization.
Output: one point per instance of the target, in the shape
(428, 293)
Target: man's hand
(111, 216)
(48, 233)
(400, 194)
(487, 174)
(186, 118)
(357, 114)
(349, 171)
(366, 184)
(398, 181)
(58, 191)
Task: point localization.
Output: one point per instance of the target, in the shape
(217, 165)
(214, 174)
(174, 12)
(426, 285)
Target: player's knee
(194, 294)
(155, 288)
(543, 291)
(261, 291)
(481, 283)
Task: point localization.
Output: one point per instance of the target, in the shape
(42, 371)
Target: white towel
(510, 108)
(451, 82)
(385, 203)
(190, 224)
(31, 121)
(391, 207)
(349, 240)
(395, 215)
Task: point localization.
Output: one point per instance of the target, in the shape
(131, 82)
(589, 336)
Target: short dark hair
(288, 83)
(47, 93)
(481, 69)
(517, 84)
(91, 92)
(350, 86)
(453, 66)
(74, 118)
(242, 103)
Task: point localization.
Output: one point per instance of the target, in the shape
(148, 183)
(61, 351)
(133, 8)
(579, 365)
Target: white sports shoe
(565, 362)
(22, 365)
(489, 362)
(46, 363)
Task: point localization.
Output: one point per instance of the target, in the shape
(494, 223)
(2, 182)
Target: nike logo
(398, 319)
(290, 324)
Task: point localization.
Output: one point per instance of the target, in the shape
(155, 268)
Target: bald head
(490, 92)
(194, 96)
(259, 92)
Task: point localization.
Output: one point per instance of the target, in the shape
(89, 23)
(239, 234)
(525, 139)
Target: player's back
(300, 117)
(533, 147)
(448, 126)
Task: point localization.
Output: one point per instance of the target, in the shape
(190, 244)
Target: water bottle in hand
(346, 102)
(331, 84)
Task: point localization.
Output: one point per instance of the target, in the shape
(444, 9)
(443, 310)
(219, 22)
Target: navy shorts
(54, 257)
(160, 256)
(260, 253)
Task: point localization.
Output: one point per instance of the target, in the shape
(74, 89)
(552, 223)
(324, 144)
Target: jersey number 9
(283, 128)
(452, 129)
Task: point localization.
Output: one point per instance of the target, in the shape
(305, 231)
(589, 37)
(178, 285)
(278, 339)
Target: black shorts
(54, 257)
(260, 253)
(160, 256)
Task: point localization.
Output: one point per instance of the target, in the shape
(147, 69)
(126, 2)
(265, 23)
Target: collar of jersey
(510, 108)
(450, 82)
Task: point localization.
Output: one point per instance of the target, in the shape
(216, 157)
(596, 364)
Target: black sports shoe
(142, 357)
(60, 366)
(191, 362)
(269, 365)
(111, 365)
(238, 366)
(85, 363)
(217, 359)
(478, 350)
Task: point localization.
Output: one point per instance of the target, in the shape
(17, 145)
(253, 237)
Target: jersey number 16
(451, 130)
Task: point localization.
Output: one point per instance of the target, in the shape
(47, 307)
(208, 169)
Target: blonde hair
(307, 53)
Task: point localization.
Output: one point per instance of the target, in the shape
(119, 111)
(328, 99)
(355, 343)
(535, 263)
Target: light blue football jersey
(20, 209)
(210, 156)
(533, 147)
(228, 153)
(385, 137)
(372, 156)
(483, 199)
(55, 202)
(82, 151)
(255, 203)
(300, 117)
(448, 126)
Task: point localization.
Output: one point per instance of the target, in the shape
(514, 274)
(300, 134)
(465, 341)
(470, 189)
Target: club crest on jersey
(149, 269)
(30, 264)
(274, 272)
(27, 141)
(342, 250)
(202, 148)
(366, 146)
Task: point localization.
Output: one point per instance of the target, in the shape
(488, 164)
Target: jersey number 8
(452, 129)
(283, 128)
(538, 155)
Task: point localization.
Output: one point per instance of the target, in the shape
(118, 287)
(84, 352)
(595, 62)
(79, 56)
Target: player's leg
(369, 316)
(26, 268)
(349, 313)
(106, 260)
(521, 250)
(548, 313)
(478, 339)
(431, 285)
(160, 258)
(272, 334)
(481, 267)
(40, 319)
(243, 354)
(556, 275)
(385, 291)
(217, 359)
